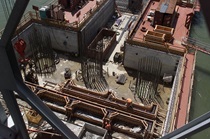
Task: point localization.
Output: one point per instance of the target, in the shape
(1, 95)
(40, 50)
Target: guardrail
(32, 16)
(173, 97)
(197, 43)
(28, 16)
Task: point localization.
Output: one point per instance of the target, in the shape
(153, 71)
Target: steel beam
(12, 105)
(6, 133)
(11, 78)
(191, 128)
(43, 110)
(7, 78)
(13, 21)
(3, 116)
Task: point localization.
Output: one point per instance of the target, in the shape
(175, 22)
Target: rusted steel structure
(99, 108)
(105, 39)
(165, 30)
(92, 66)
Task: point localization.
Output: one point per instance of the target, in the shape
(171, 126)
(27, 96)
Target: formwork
(72, 32)
(168, 31)
(92, 131)
(106, 38)
(161, 47)
(100, 108)
(154, 37)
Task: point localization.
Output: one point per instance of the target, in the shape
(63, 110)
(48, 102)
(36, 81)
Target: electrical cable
(199, 35)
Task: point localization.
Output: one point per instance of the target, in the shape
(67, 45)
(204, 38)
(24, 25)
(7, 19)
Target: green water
(200, 103)
(38, 3)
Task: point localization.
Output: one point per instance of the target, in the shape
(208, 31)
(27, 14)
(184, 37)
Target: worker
(108, 128)
(129, 103)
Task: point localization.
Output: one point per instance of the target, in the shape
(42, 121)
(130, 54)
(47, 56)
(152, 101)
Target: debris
(67, 74)
(121, 79)
(167, 78)
(118, 57)
(135, 129)
(33, 117)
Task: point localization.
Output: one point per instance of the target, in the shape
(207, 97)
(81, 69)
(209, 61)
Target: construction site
(107, 69)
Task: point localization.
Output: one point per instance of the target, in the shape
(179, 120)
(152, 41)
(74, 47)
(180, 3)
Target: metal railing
(172, 103)
(198, 43)
(26, 18)
(34, 16)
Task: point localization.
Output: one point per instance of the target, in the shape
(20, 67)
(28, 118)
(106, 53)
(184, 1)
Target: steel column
(6, 133)
(14, 110)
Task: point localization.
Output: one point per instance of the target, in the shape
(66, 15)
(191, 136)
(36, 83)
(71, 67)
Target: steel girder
(11, 79)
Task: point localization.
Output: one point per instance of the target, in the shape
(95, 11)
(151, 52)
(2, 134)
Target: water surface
(38, 3)
(200, 102)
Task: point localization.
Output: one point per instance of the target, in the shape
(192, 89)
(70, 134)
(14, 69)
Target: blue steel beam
(191, 128)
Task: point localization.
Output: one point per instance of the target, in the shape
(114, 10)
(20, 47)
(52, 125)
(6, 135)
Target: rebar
(42, 52)
(92, 71)
(149, 70)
